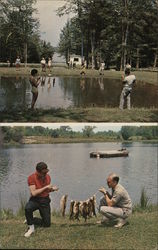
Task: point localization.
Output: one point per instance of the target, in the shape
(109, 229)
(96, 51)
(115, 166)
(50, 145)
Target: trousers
(125, 95)
(113, 213)
(43, 205)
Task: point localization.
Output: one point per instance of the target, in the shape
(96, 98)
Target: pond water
(64, 92)
(75, 173)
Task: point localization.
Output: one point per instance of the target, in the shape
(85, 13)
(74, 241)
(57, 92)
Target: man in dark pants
(40, 187)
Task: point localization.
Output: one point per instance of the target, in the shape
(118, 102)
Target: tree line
(16, 134)
(116, 32)
(19, 33)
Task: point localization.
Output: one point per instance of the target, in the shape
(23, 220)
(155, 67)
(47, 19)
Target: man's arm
(109, 201)
(107, 196)
(35, 192)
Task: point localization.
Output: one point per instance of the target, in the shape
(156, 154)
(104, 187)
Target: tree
(88, 130)
(116, 32)
(18, 26)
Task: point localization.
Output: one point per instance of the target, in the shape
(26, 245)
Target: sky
(50, 24)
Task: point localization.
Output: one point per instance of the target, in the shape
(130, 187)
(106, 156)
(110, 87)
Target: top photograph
(78, 61)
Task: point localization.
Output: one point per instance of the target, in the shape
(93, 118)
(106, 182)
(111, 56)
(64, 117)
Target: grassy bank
(92, 114)
(142, 76)
(139, 234)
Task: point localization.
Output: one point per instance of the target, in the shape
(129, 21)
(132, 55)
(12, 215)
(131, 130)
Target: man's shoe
(121, 223)
(30, 231)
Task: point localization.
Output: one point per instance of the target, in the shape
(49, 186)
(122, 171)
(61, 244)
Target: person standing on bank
(128, 81)
(17, 62)
(34, 81)
(115, 207)
(40, 187)
(43, 64)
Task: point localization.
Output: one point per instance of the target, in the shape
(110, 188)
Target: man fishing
(115, 207)
(128, 81)
(40, 187)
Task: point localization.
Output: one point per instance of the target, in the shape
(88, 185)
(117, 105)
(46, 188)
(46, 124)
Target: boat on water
(109, 153)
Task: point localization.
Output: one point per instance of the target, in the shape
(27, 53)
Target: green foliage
(88, 131)
(23, 201)
(12, 134)
(20, 32)
(114, 31)
(16, 134)
(145, 132)
(144, 199)
(6, 214)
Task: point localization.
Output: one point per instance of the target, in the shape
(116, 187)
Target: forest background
(115, 32)
(39, 134)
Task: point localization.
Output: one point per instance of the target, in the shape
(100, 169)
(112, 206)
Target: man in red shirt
(40, 187)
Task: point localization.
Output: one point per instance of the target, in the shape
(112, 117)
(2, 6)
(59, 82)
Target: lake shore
(61, 140)
(140, 233)
(142, 76)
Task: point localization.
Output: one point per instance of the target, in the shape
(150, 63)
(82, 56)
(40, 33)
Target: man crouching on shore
(116, 207)
(40, 187)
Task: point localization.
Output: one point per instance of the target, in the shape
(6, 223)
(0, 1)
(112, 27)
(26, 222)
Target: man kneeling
(116, 207)
(40, 187)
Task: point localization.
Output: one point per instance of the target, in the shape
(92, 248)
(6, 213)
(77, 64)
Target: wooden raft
(109, 153)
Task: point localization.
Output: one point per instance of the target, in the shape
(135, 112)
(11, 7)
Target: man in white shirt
(128, 82)
(43, 64)
(116, 206)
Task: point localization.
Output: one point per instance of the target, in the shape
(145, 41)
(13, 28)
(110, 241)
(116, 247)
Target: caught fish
(76, 210)
(89, 208)
(63, 202)
(83, 207)
(71, 209)
(93, 202)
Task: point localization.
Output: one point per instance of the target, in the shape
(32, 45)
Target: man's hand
(54, 188)
(103, 190)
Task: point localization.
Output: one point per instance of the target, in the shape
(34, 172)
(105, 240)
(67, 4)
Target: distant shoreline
(49, 140)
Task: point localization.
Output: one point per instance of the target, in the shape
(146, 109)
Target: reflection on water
(75, 172)
(63, 92)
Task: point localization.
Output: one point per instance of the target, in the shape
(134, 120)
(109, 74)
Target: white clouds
(50, 24)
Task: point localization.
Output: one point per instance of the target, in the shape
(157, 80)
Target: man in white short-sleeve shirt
(128, 82)
(116, 206)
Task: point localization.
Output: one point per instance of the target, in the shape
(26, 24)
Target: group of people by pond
(44, 64)
(128, 81)
(115, 207)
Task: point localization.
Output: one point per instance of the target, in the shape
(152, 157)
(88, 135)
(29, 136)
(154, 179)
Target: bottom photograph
(78, 185)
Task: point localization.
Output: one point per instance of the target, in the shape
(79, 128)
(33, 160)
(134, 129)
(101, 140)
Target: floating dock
(109, 153)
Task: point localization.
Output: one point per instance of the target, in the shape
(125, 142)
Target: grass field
(92, 114)
(140, 234)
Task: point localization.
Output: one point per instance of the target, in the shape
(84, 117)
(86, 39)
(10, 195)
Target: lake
(75, 173)
(64, 92)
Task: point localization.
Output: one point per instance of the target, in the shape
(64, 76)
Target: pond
(75, 173)
(64, 92)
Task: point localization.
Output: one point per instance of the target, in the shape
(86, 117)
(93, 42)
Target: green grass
(141, 233)
(91, 114)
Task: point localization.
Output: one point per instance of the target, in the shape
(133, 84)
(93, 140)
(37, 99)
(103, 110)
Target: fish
(83, 207)
(63, 202)
(71, 209)
(93, 203)
(76, 210)
(89, 208)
